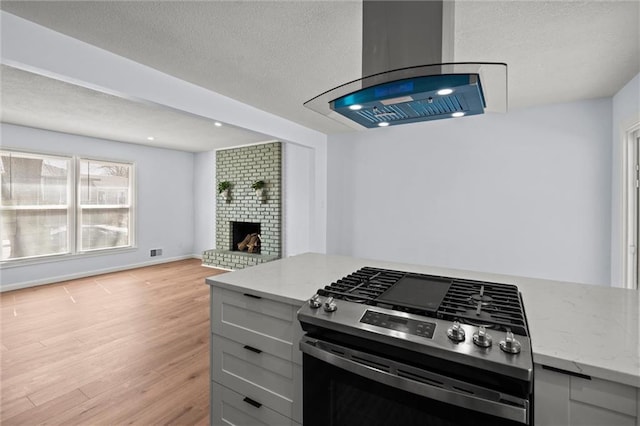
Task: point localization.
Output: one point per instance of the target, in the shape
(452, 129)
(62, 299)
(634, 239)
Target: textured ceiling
(275, 55)
(33, 100)
(558, 51)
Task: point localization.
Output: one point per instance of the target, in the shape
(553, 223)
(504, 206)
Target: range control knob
(330, 305)
(315, 301)
(456, 332)
(482, 338)
(510, 344)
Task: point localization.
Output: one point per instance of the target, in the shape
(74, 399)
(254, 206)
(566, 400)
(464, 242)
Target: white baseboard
(60, 278)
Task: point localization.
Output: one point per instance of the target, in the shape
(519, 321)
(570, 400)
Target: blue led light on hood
(413, 100)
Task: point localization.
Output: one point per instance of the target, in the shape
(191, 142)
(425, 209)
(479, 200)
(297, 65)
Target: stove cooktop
(470, 323)
(478, 303)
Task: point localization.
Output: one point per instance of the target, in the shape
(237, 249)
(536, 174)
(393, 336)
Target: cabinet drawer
(261, 376)
(590, 415)
(230, 408)
(601, 393)
(257, 322)
(562, 398)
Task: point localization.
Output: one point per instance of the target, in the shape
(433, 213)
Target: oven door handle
(387, 372)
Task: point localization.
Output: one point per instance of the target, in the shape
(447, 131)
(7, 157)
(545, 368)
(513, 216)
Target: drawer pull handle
(252, 402)
(252, 349)
(252, 296)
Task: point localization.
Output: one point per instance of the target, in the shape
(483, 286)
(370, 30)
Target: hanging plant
(259, 184)
(223, 186)
(259, 187)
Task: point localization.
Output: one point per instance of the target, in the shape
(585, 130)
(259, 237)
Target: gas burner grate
(362, 286)
(493, 305)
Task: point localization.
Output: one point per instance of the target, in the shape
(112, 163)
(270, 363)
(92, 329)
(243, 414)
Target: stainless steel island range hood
(408, 71)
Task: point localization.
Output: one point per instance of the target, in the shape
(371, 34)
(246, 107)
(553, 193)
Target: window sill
(63, 257)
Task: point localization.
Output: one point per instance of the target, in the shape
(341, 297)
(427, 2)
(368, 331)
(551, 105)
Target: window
(54, 205)
(104, 209)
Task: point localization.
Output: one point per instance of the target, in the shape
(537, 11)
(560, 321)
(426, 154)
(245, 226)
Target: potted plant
(224, 189)
(258, 186)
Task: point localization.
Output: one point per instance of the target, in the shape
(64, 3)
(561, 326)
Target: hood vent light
(404, 33)
(381, 103)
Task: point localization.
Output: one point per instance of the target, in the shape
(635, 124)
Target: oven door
(343, 386)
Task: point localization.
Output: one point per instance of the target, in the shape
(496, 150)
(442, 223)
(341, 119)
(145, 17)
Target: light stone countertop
(581, 328)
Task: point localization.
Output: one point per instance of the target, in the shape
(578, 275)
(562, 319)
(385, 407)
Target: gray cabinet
(566, 399)
(256, 366)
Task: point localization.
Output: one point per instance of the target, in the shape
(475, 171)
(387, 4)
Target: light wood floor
(120, 348)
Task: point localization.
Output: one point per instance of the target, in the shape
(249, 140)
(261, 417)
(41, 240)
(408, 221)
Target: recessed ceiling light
(150, 138)
(217, 124)
(355, 107)
(443, 92)
(457, 114)
(383, 124)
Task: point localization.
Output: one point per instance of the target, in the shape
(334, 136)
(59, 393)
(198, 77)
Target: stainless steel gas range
(386, 347)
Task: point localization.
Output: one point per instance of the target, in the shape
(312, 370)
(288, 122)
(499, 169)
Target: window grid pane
(104, 228)
(104, 183)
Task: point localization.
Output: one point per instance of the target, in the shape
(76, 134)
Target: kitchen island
(585, 338)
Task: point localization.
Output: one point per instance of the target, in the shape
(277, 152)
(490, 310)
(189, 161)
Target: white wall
(204, 204)
(164, 184)
(525, 193)
(299, 193)
(625, 113)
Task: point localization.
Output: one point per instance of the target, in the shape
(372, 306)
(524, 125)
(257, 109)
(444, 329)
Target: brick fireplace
(241, 167)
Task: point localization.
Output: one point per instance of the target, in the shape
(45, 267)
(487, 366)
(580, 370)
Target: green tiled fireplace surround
(243, 166)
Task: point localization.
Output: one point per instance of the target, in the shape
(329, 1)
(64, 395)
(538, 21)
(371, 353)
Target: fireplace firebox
(245, 236)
